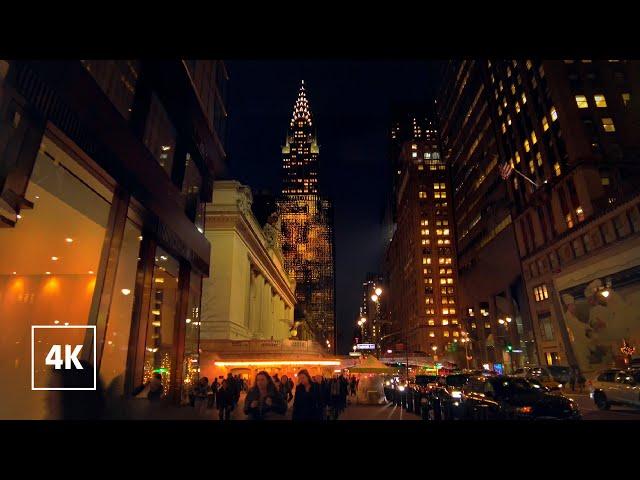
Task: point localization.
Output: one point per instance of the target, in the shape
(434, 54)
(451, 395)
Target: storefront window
(159, 351)
(116, 340)
(191, 363)
(48, 267)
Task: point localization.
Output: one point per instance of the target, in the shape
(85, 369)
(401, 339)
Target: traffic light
(509, 347)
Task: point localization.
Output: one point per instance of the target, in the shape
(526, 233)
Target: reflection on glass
(68, 222)
(164, 297)
(116, 340)
(191, 362)
(159, 135)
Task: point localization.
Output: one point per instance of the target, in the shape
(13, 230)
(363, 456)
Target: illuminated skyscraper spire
(301, 113)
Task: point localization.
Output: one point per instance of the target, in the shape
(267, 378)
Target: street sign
(355, 354)
(366, 346)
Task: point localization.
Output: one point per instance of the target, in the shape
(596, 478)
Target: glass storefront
(116, 343)
(159, 351)
(191, 363)
(48, 267)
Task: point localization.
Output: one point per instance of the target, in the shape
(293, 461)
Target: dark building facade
(105, 169)
(569, 131)
(420, 261)
(493, 303)
(307, 227)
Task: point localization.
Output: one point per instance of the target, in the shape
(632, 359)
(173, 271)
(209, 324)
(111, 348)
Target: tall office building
(491, 283)
(568, 135)
(420, 261)
(307, 227)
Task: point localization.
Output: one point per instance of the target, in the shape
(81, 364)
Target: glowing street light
(378, 292)
(374, 297)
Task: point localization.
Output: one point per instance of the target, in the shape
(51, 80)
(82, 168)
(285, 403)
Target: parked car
(513, 398)
(449, 396)
(546, 377)
(419, 390)
(616, 387)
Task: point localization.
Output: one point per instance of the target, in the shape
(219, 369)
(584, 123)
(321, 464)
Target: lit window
(545, 124)
(517, 107)
(431, 322)
(554, 114)
(608, 125)
(581, 100)
(455, 334)
(424, 231)
(626, 98)
(424, 222)
(414, 154)
(532, 166)
(445, 311)
(526, 146)
(513, 89)
(504, 128)
(446, 333)
(487, 325)
(580, 214)
(569, 220)
(600, 101)
(539, 158)
(422, 194)
(529, 65)
(524, 99)
(556, 168)
(432, 334)
(509, 119)
(605, 180)
(517, 157)
(534, 139)
(414, 147)
(426, 261)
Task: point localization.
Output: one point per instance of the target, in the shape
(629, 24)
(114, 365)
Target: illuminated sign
(366, 346)
(355, 354)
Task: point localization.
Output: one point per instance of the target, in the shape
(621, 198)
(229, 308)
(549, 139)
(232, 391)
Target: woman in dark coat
(263, 401)
(307, 403)
(224, 401)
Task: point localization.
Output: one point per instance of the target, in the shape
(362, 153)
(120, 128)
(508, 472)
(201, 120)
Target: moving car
(616, 387)
(513, 398)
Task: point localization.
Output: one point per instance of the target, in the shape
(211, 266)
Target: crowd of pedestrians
(312, 398)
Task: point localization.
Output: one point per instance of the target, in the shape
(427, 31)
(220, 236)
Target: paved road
(392, 412)
(590, 411)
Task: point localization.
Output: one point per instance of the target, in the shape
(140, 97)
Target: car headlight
(456, 394)
(526, 409)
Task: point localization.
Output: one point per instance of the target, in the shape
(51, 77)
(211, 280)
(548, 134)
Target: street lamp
(374, 298)
(378, 292)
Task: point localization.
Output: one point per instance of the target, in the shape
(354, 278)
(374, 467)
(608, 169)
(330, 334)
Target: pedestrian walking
(581, 381)
(307, 402)
(263, 401)
(211, 400)
(224, 401)
(572, 379)
(286, 388)
(353, 386)
(200, 392)
(153, 389)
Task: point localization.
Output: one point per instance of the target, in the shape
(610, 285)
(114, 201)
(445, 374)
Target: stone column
(256, 304)
(265, 310)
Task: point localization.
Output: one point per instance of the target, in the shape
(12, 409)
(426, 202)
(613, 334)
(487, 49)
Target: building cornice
(263, 259)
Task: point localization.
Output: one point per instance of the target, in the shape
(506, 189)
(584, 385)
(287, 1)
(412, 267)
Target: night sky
(349, 103)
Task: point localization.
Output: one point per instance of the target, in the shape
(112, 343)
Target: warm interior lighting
(604, 293)
(125, 291)
(378, 291)
(276, 362)
(374, 297)
(155, 312)
(90, 272)
(159, 280)
(54, 258)
(47, 273)
(68, 240)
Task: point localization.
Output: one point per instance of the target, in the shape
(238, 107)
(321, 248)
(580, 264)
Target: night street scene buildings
(307, 229)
